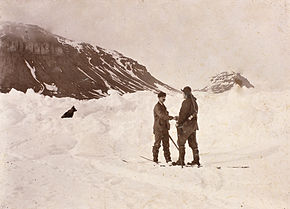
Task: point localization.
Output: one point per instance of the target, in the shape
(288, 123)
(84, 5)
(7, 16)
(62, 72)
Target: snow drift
(92, 160)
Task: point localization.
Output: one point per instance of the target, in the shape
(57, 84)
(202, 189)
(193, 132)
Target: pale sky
(181, 42)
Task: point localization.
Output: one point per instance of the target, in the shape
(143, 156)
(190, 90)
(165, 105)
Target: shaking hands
(173, 118)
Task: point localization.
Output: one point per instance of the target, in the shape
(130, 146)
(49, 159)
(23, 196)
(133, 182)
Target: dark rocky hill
(31, 57)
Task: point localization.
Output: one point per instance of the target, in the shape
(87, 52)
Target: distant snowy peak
(225, 81)
(31, 57)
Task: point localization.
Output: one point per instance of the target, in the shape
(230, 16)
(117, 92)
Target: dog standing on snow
(69, 113)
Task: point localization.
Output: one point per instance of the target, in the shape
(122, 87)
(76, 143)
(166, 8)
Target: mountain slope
(31, 57)
(225, 81)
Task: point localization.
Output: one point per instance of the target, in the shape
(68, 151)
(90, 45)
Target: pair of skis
(217, 167)
(166, 165)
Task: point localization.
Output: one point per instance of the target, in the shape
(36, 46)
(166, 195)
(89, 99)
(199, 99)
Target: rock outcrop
(225, 81)
(31, 57)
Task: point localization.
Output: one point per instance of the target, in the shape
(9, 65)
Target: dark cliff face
(31, 57)
(225, 81)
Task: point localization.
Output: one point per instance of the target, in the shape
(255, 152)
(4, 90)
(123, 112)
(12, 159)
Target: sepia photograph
(144, 104)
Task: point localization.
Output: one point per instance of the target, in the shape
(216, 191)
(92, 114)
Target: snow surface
(93, 160)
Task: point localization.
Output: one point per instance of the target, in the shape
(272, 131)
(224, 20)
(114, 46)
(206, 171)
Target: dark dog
(69, 113)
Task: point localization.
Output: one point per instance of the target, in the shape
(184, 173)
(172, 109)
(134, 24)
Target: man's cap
(161, 94)
(186, 90)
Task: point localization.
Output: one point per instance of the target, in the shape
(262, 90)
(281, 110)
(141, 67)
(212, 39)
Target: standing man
(161, 128)
(187, 126)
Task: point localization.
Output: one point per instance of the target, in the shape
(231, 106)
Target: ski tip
(239, 167)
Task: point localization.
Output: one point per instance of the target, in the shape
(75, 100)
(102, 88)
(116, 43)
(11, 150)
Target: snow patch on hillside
(32, 71)
(75, 44)
(51, 87)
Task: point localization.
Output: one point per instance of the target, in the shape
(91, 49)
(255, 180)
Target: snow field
(93, 160)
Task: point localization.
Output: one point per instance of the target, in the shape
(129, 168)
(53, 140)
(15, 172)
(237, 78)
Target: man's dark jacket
(189, 107)
(161, 119)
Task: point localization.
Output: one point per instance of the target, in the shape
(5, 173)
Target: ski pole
(173, 142)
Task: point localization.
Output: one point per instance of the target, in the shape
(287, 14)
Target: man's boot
(195, 158)
(195, 161)
(180, 160)
(155, 154)
(167, 158)
(167, 154)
